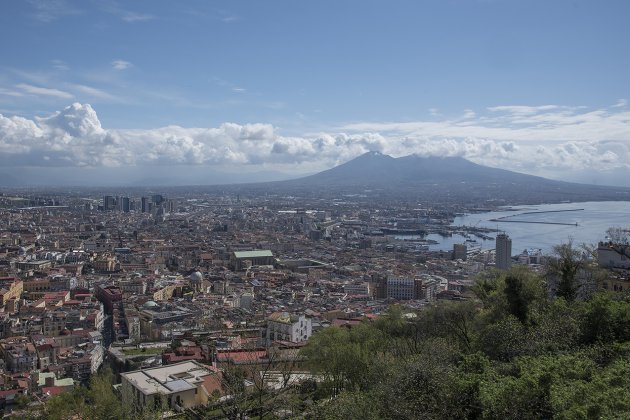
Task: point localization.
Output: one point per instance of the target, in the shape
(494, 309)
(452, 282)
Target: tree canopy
(513, 351)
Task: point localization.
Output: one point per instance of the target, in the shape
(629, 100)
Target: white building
(531, 256)
(357, 289)
(282, 326)
(611, 255)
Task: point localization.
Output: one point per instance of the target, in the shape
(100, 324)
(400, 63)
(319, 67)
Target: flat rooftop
(168, 379)
(253, 254)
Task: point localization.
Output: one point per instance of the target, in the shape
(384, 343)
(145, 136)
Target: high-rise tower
(503, 258)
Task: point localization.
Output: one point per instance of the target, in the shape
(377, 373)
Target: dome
(196, 276)
(150, 304)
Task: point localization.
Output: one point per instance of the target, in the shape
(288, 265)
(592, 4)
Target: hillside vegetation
(511, 353)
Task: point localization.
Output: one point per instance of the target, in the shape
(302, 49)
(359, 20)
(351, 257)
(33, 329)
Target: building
(616, 283)
(460, 252)
(613, 256)
(362, 289)
(404, 288)
(157, 199)
(125, 204)
(36, 265)
(240, 260)
(282, 326)
(10, 288)
(18, 354)
(503, 256)
(531, 256)
(108, 295)
(109, 203)
(177, 386)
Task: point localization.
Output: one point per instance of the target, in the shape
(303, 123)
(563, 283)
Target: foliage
(97, 401)
(563, 269)
(515, 352)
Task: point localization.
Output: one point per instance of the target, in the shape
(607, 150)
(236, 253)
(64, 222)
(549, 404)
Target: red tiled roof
(55, 390)
(212, 383)
(242, 356)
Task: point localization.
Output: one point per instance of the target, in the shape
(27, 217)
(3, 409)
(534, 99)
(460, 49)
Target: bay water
(585, 222)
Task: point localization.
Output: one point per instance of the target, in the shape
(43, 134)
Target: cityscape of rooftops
(314, 210)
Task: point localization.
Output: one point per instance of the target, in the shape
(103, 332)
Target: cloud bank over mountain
(548, 140)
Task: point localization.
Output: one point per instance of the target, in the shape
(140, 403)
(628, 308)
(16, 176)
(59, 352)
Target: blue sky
(534, 86)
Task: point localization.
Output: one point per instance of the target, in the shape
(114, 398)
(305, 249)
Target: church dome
(196, 276)
(150, 305)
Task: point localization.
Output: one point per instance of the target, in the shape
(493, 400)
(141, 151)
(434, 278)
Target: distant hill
(449, 178)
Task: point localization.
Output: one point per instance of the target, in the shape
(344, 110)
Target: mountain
(374, 169)
(448, 178)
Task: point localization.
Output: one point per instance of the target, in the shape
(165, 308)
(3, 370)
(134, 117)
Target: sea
(582, 223)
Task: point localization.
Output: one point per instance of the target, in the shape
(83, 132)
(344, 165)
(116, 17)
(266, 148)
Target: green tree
(563, 268)
(345, 357)
(605, 318)
(517, 301)
(455, 320)
(504, 339)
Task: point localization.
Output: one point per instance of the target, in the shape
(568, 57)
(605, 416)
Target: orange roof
(242, 356)
(212, 383)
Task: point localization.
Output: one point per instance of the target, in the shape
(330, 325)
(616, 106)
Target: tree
(345, 357)
(618, 235)
(524, 291)
(457, 320)
(504, 339)
(517, 303)
(563, 268)
(605, 319)
(98, 401)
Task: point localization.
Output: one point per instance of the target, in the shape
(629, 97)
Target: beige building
(177, 386)
(10, 288)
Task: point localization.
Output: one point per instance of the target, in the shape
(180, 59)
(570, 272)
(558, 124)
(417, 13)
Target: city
(189, 286)
(315, 210)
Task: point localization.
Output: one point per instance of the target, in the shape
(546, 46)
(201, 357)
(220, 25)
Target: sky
(196, 92)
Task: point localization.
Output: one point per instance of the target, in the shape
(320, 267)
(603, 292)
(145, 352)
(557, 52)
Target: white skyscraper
(503, 259)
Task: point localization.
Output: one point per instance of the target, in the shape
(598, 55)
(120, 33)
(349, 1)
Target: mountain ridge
(444, 179)
(379, 169)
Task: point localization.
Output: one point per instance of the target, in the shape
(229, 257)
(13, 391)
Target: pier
(502, 220)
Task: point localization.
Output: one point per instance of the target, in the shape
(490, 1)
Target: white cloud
(532, 139)
(131, 17)
(50, 10)
(230, 19)
(522, 109)
(621, 103)
(8, 92)
(469, 114)
(121, 64)
(60, 65)
(94, 92)
(37, 90)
